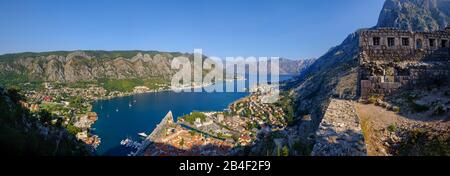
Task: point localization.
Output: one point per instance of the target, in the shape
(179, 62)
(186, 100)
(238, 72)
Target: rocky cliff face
(88, 65)
(93, 65)
(422, 15)
(335, 73)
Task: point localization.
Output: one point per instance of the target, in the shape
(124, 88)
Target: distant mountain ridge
(74, 66)
(294, 67)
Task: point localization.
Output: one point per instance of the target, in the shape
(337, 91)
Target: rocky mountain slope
(24, 133)
(335, 73)
(422, 15)
(294, 67)
(87, 65)
(65, 66)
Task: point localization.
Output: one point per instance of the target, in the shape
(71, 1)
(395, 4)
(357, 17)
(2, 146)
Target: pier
(157, 133)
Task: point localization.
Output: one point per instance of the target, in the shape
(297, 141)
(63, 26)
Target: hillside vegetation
(25, 133)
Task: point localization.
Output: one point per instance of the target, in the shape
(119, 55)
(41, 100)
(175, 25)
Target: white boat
(126, 142)
(129, 105)
(142, 134)
(117, 109)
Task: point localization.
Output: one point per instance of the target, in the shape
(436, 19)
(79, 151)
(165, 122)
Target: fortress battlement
(390, 59)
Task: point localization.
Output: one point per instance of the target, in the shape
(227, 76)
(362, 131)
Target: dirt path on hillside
(379, 124)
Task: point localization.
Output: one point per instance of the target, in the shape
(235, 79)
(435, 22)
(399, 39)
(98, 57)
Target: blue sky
(283, 28)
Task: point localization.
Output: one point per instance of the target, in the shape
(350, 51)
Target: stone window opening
(444, 43)
(391, 41)
(419, 44)
(376, 41)
(405, 41)
(432, 41)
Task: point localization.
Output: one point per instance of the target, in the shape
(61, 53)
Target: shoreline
(224, 110)
(130, 94)
(125, 94)
(199, 129)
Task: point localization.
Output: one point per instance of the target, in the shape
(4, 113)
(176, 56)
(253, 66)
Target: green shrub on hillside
(193, 116)
(392, 127)
(421, 142)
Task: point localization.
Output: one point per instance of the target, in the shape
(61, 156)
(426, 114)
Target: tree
(45, 116)
(193, 116)
(59, 122)
(181, 142)
(73, 129)
(14, 94)
(278, 151)
(247, 113)
(76, 102)
(285, 151)
(235, 138)
(290, 115)
(220, 135)
(192, 133)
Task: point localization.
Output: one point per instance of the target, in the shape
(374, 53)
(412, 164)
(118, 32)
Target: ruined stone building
(390, 59)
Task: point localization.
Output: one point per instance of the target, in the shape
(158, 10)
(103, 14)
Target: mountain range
(66, 66)
(87, 65)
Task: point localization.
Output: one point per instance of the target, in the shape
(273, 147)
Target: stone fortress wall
(339, 133)
(156, 134)
(390, 59)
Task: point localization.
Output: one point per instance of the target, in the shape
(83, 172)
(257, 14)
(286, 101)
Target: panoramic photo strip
(216, 86)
